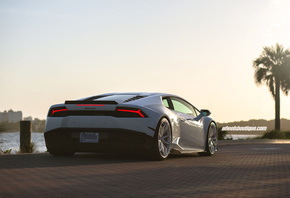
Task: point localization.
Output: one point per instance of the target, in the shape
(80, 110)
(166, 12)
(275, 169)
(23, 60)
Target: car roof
(138, 94)
(135, 95)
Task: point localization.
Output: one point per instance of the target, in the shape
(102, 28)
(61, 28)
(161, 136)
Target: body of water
(242, 137)
(11, 140)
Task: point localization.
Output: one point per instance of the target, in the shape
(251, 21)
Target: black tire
(211, 141)
(162, 140)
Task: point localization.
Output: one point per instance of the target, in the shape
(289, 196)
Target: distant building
(29, 118)
(10, 116)
(4, 116)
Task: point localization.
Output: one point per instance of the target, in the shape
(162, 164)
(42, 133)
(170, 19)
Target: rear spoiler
(89, 102)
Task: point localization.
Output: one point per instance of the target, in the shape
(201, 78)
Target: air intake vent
(134, 98)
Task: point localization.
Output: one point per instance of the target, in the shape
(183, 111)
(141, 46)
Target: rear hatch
(107, 105)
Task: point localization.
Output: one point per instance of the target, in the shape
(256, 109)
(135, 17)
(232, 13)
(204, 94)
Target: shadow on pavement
(47, 160)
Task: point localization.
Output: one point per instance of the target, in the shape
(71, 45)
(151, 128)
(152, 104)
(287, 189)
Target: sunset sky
(52, 51)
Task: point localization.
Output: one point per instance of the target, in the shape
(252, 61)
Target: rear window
(117, 98)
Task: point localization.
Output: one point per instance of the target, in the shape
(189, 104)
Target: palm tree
(273, 69)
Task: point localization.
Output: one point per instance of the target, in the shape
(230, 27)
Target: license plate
(89, 137)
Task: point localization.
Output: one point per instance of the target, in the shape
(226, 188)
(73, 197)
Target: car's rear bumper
(110, 140)
(144, 125)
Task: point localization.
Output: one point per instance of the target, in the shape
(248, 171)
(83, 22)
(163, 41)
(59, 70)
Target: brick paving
(250, 170)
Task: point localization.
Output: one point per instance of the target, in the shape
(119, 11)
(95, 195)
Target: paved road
(261, 170)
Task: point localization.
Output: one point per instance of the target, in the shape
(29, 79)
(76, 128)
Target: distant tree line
(37, 126)
(1, 127)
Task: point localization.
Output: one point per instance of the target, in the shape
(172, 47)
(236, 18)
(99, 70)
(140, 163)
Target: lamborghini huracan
(156, 124)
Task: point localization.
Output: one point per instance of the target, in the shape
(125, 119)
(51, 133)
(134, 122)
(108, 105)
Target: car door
(191, 131)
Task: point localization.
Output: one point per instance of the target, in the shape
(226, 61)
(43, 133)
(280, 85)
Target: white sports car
(153, 123)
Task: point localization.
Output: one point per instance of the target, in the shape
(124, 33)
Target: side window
(165, 102)
(183, 107)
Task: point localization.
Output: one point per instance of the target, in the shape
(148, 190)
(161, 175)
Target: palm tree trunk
(277, 104)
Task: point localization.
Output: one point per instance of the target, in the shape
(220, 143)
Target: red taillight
(131, 111)
(90, 105)
(58, 111)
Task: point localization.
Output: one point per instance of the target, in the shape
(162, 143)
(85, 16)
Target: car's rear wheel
(162, 140)
(212, 141)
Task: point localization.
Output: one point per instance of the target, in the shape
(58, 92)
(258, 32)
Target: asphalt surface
(246, 170)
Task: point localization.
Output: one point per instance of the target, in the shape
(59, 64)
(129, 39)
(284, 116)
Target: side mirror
(205, 112)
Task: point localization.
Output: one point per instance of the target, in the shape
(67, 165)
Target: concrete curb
(253, 141)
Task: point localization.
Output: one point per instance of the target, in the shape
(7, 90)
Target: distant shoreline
(270, 124)
(228, 132)
(246, 132)
(17, 132)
